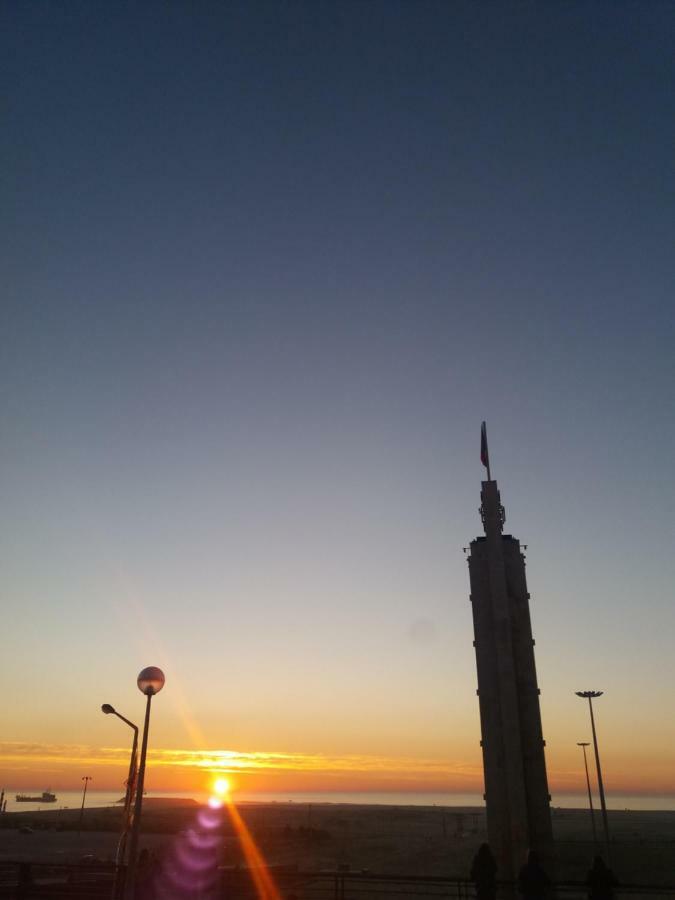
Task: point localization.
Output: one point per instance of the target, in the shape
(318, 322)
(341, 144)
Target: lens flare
(265, 887)
(208, 818)
(192, 867)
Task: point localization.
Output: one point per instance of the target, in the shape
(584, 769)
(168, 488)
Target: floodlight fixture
(590, 696)
(583, 745)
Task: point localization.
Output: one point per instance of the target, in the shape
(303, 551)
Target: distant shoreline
(108, 799)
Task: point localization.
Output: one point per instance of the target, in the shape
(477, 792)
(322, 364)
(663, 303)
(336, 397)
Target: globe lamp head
(150, 681)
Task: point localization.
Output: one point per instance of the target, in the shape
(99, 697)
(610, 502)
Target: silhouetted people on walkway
(601, 880)
(484, 873)
(533, 882)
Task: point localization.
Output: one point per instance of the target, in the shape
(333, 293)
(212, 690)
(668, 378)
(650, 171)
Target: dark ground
(382, 839)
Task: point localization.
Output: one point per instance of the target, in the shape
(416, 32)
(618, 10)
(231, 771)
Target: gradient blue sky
(266, 266)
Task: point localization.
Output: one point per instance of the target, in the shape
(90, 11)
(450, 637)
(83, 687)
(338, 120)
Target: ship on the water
(45, 797)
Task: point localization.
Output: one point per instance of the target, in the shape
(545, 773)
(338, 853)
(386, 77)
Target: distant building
(516, 787)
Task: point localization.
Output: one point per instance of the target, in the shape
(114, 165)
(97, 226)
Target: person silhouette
(484, 873)
(533, 882)
(601, 880)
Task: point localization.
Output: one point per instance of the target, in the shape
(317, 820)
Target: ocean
(73, 799)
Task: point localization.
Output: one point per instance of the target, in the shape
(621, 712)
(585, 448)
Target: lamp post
(583, 746)
(131, 780)
(150, 682)
(590, 695)
(86, 779)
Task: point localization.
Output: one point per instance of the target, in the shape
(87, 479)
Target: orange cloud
(28, 764)
(188, 769)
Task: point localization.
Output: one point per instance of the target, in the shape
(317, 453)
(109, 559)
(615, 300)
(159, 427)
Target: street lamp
(583, 746)
(86, 779)
(131, 780)
(150, 682)
(590, 695)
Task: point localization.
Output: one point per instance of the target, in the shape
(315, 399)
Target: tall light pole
(128, 797)
(150, 682)
(131, 777)
(86, 779)
(589, 695)
(583, 746)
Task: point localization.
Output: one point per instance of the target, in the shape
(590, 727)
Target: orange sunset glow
(224, 771)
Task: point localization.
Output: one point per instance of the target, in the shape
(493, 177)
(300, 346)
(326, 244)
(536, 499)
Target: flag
(484, 456)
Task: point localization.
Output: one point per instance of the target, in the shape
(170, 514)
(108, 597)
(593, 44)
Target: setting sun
(221, 786)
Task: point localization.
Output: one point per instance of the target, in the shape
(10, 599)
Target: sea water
(73, 799)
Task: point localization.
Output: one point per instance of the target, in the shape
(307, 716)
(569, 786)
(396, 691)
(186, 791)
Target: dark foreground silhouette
(601, 881)
(533, 882)
(484, 873)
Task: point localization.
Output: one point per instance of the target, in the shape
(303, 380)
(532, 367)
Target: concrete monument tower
(516, 787)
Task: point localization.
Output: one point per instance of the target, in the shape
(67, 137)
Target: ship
(45, 797)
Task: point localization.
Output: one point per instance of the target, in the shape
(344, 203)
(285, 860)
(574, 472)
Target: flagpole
(484, 452)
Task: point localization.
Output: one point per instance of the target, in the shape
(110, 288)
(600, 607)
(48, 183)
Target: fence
(33, 881)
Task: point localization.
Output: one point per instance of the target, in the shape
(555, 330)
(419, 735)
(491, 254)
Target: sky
(266, 267)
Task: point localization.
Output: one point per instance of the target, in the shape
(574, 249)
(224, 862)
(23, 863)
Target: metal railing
(24, 881)
(32, 881)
